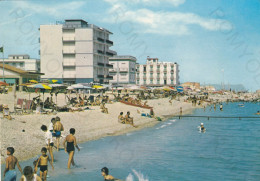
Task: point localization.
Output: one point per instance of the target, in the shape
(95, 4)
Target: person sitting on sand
(69, 148)
(28, 175)
(11, 161)
(6, 112)
(43, 162)
(57, 128)
(105, 174)
(152, 113)
(129, 120)
(103, 108)
(121, 118)
(48, 141)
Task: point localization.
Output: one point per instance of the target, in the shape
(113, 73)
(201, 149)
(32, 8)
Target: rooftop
(122, 57)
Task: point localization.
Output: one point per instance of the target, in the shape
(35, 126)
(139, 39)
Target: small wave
(137, 175)
(173, 120)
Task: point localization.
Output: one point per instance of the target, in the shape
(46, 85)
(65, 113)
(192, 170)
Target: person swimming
(107, 177)
(202, 128)
(258, 113)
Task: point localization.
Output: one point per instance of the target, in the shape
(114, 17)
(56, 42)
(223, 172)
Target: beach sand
(89, 124)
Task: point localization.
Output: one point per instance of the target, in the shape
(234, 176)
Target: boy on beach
(121, 118)
(43, 162)
(11, 161)
(48, 140)
(28, 175)
(69, 148)
(57, 128)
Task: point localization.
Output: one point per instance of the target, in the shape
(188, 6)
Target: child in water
(43, 162)
(107, 177)
(71, 142)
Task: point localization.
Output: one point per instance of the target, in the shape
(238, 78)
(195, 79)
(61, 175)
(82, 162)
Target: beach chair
(27, 107)
(18, 108)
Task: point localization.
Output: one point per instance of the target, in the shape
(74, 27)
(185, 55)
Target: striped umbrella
(40, 86)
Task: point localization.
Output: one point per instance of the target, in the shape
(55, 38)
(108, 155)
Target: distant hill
(236, 87)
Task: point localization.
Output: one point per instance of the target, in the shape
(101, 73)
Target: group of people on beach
(54, 130)
(127, 119)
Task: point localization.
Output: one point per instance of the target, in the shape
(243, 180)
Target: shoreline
(90, 125)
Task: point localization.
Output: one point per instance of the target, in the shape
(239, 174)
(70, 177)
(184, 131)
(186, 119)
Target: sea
(172, 150)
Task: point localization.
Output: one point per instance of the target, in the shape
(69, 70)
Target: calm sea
(174, 150)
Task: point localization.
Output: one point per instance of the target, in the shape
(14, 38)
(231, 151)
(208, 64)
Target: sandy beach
(89, 124)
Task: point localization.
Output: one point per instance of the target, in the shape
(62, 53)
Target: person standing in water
(69, 148)
(221, 107)
(43, 162)
(57, 128)
(11, 161)
(48, 140)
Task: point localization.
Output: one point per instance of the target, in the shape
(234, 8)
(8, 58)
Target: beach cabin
(13, 75)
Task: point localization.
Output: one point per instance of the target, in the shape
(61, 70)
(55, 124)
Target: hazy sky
(210, 40)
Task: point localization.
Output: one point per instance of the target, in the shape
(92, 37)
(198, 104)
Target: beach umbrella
(77, 86)
(3, 84)
(42, 87)
(166, 88)
(70, 88)
(57, 85)
(180, 89)
(33, 81)
(97, 87)
(56, 81)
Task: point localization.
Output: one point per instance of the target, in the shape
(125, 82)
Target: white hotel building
(75, 52)
(24, 62)
(156, 73)
(123, 70)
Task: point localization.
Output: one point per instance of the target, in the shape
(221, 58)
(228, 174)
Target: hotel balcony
(68, 51)
(109, 77)
(68, 38)
(69, 75)
(100, 76)
(109, 65)
(124, 70)
(113, 70)
(109, 42)
(100, 40)
(69, 62)
(101, 64)
(111, 53)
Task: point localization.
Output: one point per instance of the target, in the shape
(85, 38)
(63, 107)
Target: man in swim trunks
(69, 148)
(43, 162)
(57, 128)
(129, 120)
(11, 161)
(48, 140)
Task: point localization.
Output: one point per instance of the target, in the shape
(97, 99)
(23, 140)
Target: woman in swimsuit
(69, 148)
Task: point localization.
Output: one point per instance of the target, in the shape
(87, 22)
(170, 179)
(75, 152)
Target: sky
(212, 41)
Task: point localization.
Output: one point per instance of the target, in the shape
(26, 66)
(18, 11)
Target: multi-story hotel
(23, 62)
(156, 73)
(75, 52)
(123, 70)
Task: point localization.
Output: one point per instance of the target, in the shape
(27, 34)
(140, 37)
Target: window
(144, 69)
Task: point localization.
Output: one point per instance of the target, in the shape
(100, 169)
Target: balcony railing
(123, 69)
(68, 51)
(68, 38)
(101, 64)
(69, 75)
(109, 42)
(101, 40)
(100, 76)
(113, 70)
(109, 65)
(100, 52)
(109, 77)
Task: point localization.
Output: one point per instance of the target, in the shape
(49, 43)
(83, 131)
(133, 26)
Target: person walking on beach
(69, 148)
(28, 175)
(11, 161)
(57, 128)
(48, 141)
(43, 162)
